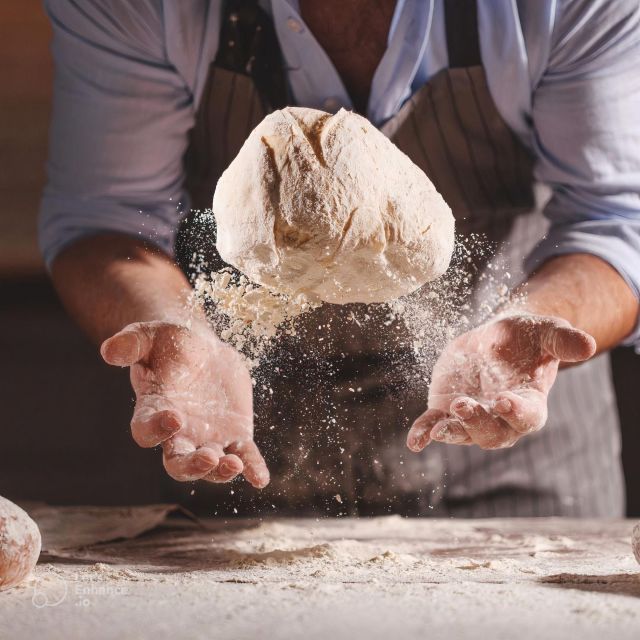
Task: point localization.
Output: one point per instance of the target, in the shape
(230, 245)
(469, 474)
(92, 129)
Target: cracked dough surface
(326, 205)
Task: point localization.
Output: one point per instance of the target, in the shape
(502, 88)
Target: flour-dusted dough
(19, 544)
(635, 542)
(326, 205)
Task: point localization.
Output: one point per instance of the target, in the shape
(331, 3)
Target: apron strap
(461, 26)
(249, 46)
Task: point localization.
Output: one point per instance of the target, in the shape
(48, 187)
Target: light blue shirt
(564, 74)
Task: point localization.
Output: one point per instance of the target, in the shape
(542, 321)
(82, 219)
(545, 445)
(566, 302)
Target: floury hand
(193, 396)
(490, 385)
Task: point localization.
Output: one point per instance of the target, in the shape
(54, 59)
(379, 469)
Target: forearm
(587, 292)
(109, 281)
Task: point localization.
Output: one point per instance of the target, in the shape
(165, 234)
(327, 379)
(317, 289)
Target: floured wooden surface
(375, 578)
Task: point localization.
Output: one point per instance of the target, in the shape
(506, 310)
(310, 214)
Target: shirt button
(294, 25)
(331, 104)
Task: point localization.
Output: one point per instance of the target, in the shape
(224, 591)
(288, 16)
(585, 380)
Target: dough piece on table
(19, 544)
(327, 206)
(635, 542)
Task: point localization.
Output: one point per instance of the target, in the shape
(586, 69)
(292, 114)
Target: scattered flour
(340, 578)
(415, 328)
(248, 315)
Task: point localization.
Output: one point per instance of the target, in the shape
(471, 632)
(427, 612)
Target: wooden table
(371, 578)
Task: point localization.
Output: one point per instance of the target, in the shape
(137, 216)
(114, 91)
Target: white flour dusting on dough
(328, 206)
(19, 544)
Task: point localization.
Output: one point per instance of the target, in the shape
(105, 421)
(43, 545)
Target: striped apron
(333, 426)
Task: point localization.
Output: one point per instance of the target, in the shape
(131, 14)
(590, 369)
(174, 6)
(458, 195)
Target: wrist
(527, 316)
(541, 297)
(545, 303)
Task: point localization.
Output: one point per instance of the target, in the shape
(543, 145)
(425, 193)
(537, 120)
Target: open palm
(193, 396)
(490, 385)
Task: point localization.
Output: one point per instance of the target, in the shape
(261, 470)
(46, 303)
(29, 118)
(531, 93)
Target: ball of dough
(19, 544)
(326, 205)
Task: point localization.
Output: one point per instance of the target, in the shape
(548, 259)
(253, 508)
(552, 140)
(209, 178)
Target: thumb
(567, 344)
(127, 347)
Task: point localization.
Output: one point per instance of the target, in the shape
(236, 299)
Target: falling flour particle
(329, 207)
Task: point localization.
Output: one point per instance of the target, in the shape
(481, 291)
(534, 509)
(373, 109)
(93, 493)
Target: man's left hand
(490, 385)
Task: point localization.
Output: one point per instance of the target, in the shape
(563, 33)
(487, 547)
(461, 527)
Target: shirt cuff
(615, 242)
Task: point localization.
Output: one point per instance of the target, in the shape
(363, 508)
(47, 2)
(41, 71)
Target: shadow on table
(623, 584)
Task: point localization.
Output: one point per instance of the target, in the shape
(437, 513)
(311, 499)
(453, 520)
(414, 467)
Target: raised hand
(194, 397)
(490, 385)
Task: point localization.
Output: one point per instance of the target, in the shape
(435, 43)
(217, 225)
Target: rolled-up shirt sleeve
(119, 127)
(586, 120)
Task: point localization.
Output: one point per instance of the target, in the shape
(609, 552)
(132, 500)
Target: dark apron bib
(336, 423)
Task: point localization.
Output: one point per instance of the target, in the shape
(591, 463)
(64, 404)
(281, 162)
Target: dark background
(64, 415)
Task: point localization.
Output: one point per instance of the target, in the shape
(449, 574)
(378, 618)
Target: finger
(567, 344)
(525, 411)
(255, 468)
(450, 432)
(229, 467)
(184, 463)
(418, 436)
(151, 427)
(126, 347)
(484, 429)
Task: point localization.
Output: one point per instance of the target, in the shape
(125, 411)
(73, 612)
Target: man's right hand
(193, 396)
